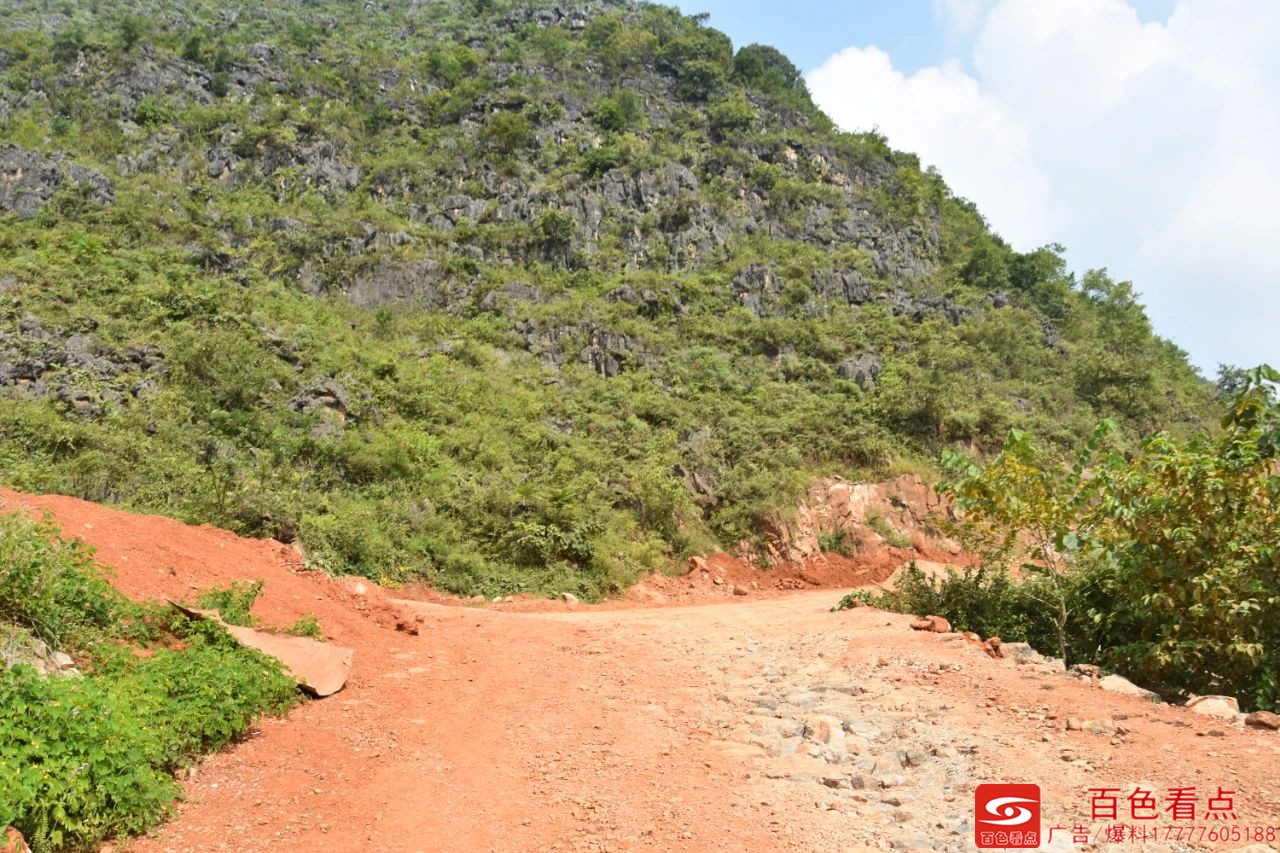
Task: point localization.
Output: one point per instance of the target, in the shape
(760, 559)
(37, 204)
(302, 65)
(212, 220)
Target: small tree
(553, 233)
(508, 132)
(1190, 595)
(730, 116)
(131, 30)
(619, 113)
(1020, 507)
(768, 69)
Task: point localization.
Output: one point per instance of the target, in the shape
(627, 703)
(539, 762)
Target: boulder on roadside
(1085, 672)
(935, 624)
(1215, 706)
(321, 669)
(1263, 720)
(1022, 653)
(1122, 685)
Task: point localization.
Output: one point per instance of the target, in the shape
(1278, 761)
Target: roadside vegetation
(1161, 564)
(89, 753)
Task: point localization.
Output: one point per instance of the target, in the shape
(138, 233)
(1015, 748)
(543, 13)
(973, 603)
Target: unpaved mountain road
(749, 724)
(689, 729)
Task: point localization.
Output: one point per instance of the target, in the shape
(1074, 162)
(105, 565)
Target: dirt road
(754, 724)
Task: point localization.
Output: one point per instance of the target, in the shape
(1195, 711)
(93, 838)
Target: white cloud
(950, 123)
(1149, 148)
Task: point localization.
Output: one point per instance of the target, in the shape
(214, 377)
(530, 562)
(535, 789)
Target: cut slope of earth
(747, 724)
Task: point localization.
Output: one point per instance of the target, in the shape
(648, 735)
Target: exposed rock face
(425, 283)
(920, 308)
(28, 179)
(861, 370)
(647, 189)
(857, 513)
(85, 377)
(507, 298)
(455, 208)
(322, 395)
(848, 286)
(609, 353)
(319, 162)
(680, 213)
(649, 303)
(757, 288)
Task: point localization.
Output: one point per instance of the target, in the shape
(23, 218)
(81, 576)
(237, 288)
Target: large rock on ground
(861, 370)
(1122, 685)
(935, 624)
(319, 668)
(1263, 720)
(1215, 706)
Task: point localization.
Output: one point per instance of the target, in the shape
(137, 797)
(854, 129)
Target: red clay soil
(727, 577)
(626, 728)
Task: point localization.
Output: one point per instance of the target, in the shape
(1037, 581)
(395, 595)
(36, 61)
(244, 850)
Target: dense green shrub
(730, 115)
(881, 525)
(597, 161)
(766, 68)
(1188, 596)
(508, 132)
(77, 766)
(836, 543)
(985, 600)
(234, 602)
(84, 759)
(1162, 564)
(619, 113)
(554, 228)
(151, 111)
(51, 587)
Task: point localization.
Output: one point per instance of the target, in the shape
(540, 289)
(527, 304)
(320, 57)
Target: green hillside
(506, 296)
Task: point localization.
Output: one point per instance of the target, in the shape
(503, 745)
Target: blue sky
(809, 31)
(1144, 135)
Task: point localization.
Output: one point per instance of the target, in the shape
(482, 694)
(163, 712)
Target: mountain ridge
(506, 296)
